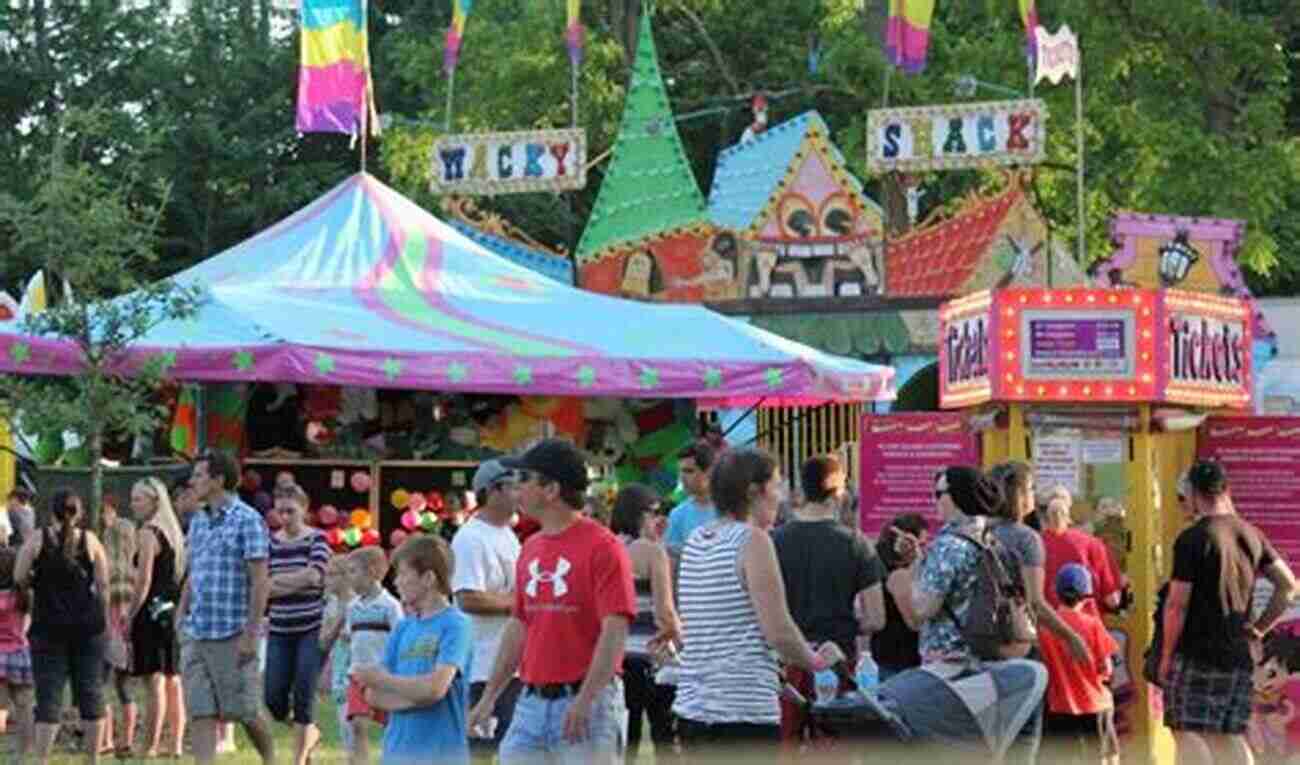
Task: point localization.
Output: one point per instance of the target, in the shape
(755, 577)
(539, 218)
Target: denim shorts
(536, 733)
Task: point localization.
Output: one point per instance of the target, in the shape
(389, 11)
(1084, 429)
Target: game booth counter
(420, 352)
(1102, 391)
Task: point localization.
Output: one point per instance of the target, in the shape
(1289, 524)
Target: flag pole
(1078, 137)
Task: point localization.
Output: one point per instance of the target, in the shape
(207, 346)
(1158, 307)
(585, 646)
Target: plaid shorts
(16, 667)
(1206, 699)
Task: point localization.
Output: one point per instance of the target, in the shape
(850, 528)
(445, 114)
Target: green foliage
(85, 229)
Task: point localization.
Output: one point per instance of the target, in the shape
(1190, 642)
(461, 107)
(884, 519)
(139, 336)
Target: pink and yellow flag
(907, 33)
(455, 34)
(334, 75)
(574, 34)
(1029, 16)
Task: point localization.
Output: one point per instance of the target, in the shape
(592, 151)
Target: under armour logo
(537, 576)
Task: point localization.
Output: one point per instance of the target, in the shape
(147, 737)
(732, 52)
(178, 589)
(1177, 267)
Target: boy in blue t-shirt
(423, 683)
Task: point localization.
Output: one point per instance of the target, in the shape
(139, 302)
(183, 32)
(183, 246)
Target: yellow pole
(8, 466)
(1017, 450)
(1151, 741)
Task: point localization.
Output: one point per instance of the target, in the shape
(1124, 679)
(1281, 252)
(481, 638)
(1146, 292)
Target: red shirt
(1074, 688)
(1074, 546)
(565, 586)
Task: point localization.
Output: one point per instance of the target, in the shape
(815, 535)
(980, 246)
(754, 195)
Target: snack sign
(506, 163)
(957, 136)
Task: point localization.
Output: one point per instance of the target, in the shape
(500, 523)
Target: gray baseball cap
(489, 473)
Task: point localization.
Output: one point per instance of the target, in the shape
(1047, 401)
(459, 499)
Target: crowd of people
(709, 627)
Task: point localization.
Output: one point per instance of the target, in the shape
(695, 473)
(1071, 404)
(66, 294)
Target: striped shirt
(300, 611)
(728, 673)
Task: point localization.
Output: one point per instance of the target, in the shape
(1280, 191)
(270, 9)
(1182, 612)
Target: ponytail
(65, 506)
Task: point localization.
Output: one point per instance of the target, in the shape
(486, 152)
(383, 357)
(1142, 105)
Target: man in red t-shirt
(574, 598)
(1063, 545)
(1080, 709)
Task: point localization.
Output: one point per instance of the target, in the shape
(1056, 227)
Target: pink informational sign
(1262, 458)
(900, 454)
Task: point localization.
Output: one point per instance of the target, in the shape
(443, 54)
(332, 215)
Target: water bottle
(867, 673)
(828, 685)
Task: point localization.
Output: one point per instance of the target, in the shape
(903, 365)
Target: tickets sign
(506, 163)
(957, 136)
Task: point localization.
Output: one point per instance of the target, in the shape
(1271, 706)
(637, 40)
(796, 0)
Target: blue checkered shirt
(221, 541)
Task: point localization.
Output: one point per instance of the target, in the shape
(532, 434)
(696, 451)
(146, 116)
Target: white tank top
(728, 672)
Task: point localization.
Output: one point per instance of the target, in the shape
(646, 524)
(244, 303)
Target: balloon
(410, 520)
(396, 538)
(428, 521)
(370, 538)
(399, 499)
(328, 515)
(334, 537)
(417, 502)
(360, 482)
(352, 536)
(360, 518)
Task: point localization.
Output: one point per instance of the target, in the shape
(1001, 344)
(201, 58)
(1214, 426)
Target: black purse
(1151, 657)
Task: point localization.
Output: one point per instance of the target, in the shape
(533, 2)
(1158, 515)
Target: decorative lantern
(435, 501)
(400, 498)
(328, 515)
(1176, 259)
(360, 519)
(335, 538)
(369, 538)
(360, 482)
(428, 522)
(352, 536)
(396, 538)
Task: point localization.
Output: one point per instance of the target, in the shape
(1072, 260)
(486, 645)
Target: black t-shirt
(1220, 556)
(825, 565)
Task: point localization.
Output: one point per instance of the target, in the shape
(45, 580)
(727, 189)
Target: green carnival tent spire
(648, 186)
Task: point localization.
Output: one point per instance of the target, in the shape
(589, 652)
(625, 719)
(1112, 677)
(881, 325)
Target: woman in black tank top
(67, 570)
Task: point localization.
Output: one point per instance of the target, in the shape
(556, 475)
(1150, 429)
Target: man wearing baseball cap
(483, 580)
(573, 601)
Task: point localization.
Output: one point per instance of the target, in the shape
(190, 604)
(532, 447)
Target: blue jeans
(293, 664)
(536, 733)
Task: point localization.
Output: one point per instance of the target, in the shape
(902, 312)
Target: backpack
(999, 621)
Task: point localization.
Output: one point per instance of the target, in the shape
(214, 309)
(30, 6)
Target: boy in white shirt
(372, 615)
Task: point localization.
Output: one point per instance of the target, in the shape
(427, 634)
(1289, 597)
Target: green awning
(845, 334)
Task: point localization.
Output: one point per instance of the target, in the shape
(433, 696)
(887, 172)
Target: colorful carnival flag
(1057, 56)
(1029, 17)
(574, 33)
(455, 33)
(907, 33)
(334, 75)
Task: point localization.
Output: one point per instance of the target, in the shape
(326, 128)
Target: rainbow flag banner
(1029, 16)
(334, 74)
(907, 33)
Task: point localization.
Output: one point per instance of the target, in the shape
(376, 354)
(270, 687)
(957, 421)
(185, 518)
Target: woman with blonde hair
(159, 566)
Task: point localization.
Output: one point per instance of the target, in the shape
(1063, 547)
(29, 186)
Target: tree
(83, 227)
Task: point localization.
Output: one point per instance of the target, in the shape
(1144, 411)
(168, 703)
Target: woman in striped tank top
(298, 559)
(636, 520)
(735, 622)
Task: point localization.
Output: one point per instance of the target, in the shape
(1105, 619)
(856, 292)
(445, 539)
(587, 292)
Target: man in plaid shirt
(221, 606)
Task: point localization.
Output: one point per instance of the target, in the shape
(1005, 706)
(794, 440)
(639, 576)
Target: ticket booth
(1101, 390)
